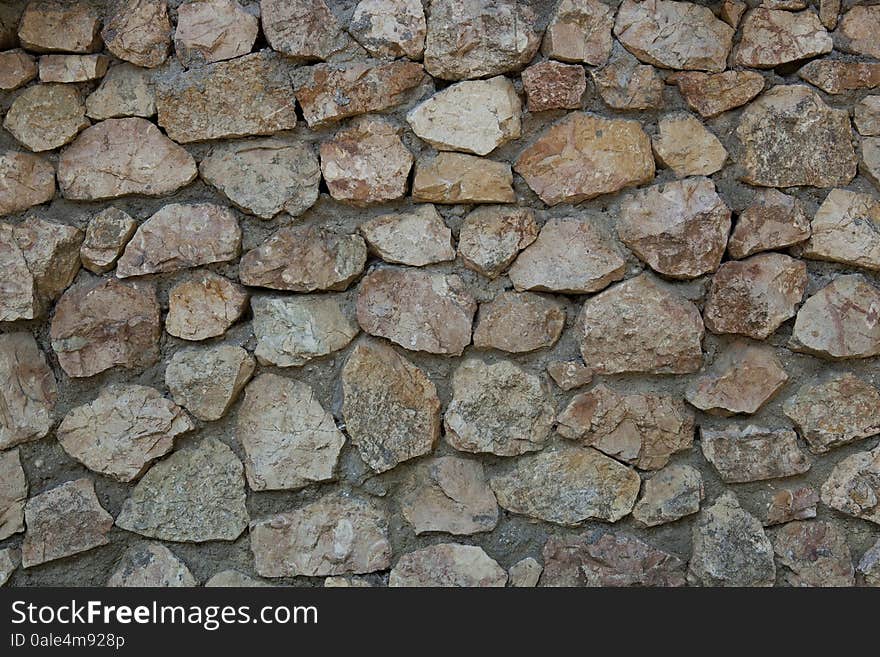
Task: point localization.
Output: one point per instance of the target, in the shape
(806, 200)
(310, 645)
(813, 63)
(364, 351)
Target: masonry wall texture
(466, 293)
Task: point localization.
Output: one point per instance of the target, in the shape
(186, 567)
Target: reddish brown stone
(550, 85)
(837, 77)
(772, 220)
(711, 94)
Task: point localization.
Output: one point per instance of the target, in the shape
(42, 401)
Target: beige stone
(869, 164)
(711, 94)
(25, 180)
(518, 322)
(53, 25)
(684, 145)
(10, 558)
(846, 229)
(525, 573)
(305, 30)
(126, 90)
(491, 236)
(672, 493)
(752, 453)
(27, 390)
(447, 565)
(550, 85)
(106, 236)
(139, 32)
(151, 565)
(72, 68)
(459, 178)
(213, 30)
(772, 220)
(46, 116)
(829, 11)
(569, 375)
(837, 77)
(771, 37)
(579, 31)
(814, 554)
(853, 487)
(625, 84)
(17, 68)
(390, 28)
(233, 579)
(866, 116)
(857, 31)
(731, 12)
(208, 381)
(14, 491)
(418, 237)
(204, 305)
(791, 504)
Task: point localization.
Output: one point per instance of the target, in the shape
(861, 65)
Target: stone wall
(294, 294)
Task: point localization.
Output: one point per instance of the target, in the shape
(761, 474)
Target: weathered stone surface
(333, 536)
(869, 163)
(207, 381)
(234, 579)
(857, 32)
(814, 554)
(96, 327)
(854, 486)
(366, 163)
(791, 137)
(332, 92)
(846, 228)
(868, 568)
(837, 77)
(866, 116)
(498, 408)
(731, 12)
(639, 429)
(195, 495)
(213, 30)
(203, 306)
(679, 228)
(106, 236)
(479, 38)
(264, 176)
(550, 85)
(674, 492)
(829, 11)
(250, 95)
(491, 237)
(305, 259)
(126, 90)
(570, 255)
(10, 16)
(46, 116)
(678, 35)
(52, 25)
(579, 31)
(293, 330)
(772, 37)
(791, 504)
(27, 390)
(840, 320)
(25, 180)
(289, 440)
(606, 559)
(10, 558)
(449, 494)
(139, 32)
(837, 411)
(752, 453)
(525, 573)
(474, 116)
(151, 565)
(772, 220)
(72, 68)
(62, 521)
(569, 375)
(418, 237)
(584, 156)
(567, 485)
(459, 178)
(640, 325)
(711, 94)
(730, 547)
(123, 430)
(519, 322)
(305, 30)
(123, 156)
(755, 296)
(742, 379)
(390, 28)
(181, 236)
(347, 582)
(684, 145)
(390, 406)
(625, 84)
(447, 565)
(14, 491)
(17, 68)
(418, 310)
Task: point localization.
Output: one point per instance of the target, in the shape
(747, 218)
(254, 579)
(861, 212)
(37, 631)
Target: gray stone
(207, 381)
(672, 493)
(752, 453)
(151, 565)
(447, 565)
(28, 390)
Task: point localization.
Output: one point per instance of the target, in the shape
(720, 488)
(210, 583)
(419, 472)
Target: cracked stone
(52, 25)
(752, 453)
(814, 554)
(711, 94)
(28, 390)
(853, 487)
(792, 504)
(684, 145)
(14, 491)
(674, 492)
(579, 31)
(772, 220)
(151, 565)
(569, 375)
(17, 68)
(204, 305)
(846, 229)
(518, 322)
(390, 28)
(492, 236)
(106, 236)
(550, 85)
(772, 37)
(139, 32)
(525, 573)
(25, 180)
(46, 116)
(866, 116)
(213, 30)
(306, 30)
(836, 77)
(73, 68)
(447, 565)
(208, 381)
(625, 84)
(419, 237)
(126, 90)
(857, 32)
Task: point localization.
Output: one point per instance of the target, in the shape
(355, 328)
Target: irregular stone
(106, 236)
(264, 176)
(625, 84)
(207, 381)
(333, 536)
(118, 157)
(711, 94)
(755, 296)
(62, 521)
(170, 502)
(752, 453)
(491, 236)
(606, 559)
(792, 504)
(569, 375)
(449, 494)
(10, 558)
(96, 327)
(678, 35)
(814, 553)
(14, 491)
(518, 322)
(730, 547)
(46, 116)
(640, 326)
(570, 256)
(474, 116)
(27, 390)
(731, 11)
(420, 311)
(304, 259)
(525, 573)
(347, 582)
(741, 380)
(250, 95)
(846, 228)
(836, 77)
(829, 10)
(293, 330)
(289, 440)
(123, 430)
(233, 579)
(72, 68)
(203, 306)
(837, 411)
(791, 138)
(305, 30)
(639, 429)
(567, 485)
(498, 409)
(366, 163)
(584, 156)
(772, 220)
(772, 37)
(684, 145)
(25, 180)
(458, 178)
(679, 228)
(447, 565)
(579, 31)
(52, 25)
(139, 32)
(126, 90)
(840, 320)
(418, 238)
(857, 32)
(674, 492)
(390, 28)
(550, 85)
(866, 116)
(853, 487)
(151, 565)
(869, 566)
(870, 161)
(479, 38)
(390, 406)
(17, 68)
(213, 30)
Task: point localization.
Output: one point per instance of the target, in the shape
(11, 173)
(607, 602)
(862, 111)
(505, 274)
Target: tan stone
(579, 31)
(14, 491)
(390, 28)
(673, 493)
(458, 178)
(208, 381)
(711, 94)
(151, 565)
(829, 11)
(846, 228)
(518, 322)
(684, 145)
(46, 116)
(25, 180)
(347, 582)
(836, 77)
(213, 30)
(305, 30)
(625, 84)
(791, 504)
(233, 579)
(569, 375)
(772, 220)
(139, 32)
(550, 85)
(752, 453)
(447, 565)
(491, 237)
(126, 90)
(53, 25)
(866, 116)
(814, 554)
(203, 306)
(17, 68)
(106, 236)
(771, 37)
(27, 390)
(869, 164)
(584, 156)
(731, 12)
(857, 32)
(72, 68)
(10, 558)
(525, 573)
(853, 487)
(419, 237)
